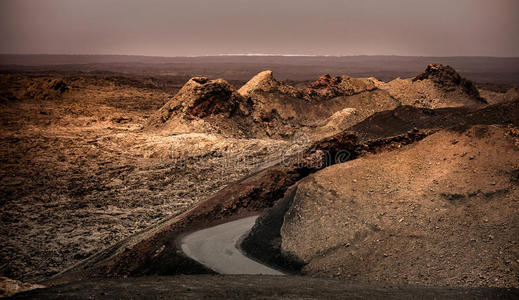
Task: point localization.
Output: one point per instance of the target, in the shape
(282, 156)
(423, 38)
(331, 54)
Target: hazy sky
(314, 27)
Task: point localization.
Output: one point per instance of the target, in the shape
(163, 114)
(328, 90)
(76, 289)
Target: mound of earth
(445, 77)
(265, 82)
(439, 212)
(324, 87)
(327, 87)
(494, 97)
(439, 86)
(266, 107)
(17, 87)
(512, 94)
(384, 131)
(325, 107)
(45, 89)
(204, 105)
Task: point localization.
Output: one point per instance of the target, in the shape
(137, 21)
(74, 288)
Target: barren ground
(78, 173)
(438, 212)
(80, 168)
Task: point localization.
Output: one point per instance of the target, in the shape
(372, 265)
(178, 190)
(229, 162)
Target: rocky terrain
(439, 86)
(78, 174)
(441, 211)
(102, 174)
(265, 107)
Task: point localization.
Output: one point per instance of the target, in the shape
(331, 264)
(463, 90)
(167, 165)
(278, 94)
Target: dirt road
(216, 248)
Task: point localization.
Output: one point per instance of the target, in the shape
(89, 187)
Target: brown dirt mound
(512, 94)
(446, 77)
(408, 117)
(265, 240)
(327, 87)
(439, 86)
(494, 96)
(205, 105)
(45, 89)
(285, 110)
(323, 88)
(265, 107)
(201, 97)
(441, 212)
(265, 82)
(17, 87)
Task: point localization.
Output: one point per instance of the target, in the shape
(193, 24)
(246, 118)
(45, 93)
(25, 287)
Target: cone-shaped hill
(439, 86)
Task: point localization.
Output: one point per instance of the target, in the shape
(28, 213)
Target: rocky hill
(265, 82)
(204, 105)
(327, 87)
(438, 212)
(439, 86)
(265, 107)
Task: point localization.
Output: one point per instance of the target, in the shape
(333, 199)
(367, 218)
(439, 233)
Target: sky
(289, 27)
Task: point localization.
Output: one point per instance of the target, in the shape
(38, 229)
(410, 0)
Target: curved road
(216, 248)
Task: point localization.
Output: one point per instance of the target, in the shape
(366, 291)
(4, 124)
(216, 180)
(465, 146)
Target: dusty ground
(78, 174)
(441, 211)
(81, 168)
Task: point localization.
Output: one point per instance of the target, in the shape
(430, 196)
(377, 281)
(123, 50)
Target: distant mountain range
(244, 66)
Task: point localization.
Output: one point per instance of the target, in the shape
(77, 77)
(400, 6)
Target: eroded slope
(440, 212)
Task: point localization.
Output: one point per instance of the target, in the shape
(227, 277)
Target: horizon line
(256, 55)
